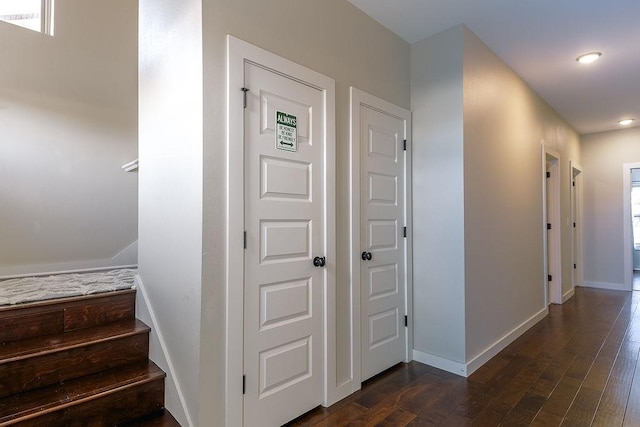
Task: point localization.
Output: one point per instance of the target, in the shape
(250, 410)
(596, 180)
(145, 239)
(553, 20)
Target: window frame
(47, 8)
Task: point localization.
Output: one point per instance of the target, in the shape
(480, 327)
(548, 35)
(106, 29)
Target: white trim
(577, 233)
(359, 98)
(47, 17)
(554, 265)
(408, 197)
(128, 255)
(567, 295)
(354, 383)
(627, 239)
(163, 359)
(440, 362)
(238, 53)
(235, 238)
(606, 285)
(131, 166)
(503, 342)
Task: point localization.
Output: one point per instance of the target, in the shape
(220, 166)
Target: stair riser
(31, 325)
(112, 409)
(39, 371)
(34, 320)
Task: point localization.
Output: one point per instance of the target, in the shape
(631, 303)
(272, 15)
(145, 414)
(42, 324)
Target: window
(36, 15)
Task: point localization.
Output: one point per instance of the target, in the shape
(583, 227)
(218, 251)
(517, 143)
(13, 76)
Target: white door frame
(627, 240)
(239, 52)
(359, 98)
(577, 248)
(554, 265)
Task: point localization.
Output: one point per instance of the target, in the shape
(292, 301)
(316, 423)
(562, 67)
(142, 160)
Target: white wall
(603, 155)
(438, 197)
(478, 254)
(68, 121)
(170, 201)
(333, 38)
(504, 125)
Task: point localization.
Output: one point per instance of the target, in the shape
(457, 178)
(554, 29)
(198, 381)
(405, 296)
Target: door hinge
(244, 384)
(405, 232)
(244, 94)
(245, 239)
(573, 183)
(550, 278)
(574, 225)
(548, 174)
(575, 266)
(405, 145)
(406, 320)
(548, 226)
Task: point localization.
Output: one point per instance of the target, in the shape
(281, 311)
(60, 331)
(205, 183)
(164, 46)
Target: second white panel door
(382, 189)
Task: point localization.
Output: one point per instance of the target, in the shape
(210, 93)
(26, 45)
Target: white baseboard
(128, 255)
(470, 367)
(126, 258)
(440, 363)
(605, 285)
(499, 345)
(567, 295)
(158, 353)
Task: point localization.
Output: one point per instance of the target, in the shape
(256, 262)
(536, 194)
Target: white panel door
(382, 222)
(284, 221)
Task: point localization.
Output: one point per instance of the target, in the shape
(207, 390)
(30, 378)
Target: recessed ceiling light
(625, 122)
(588, 58)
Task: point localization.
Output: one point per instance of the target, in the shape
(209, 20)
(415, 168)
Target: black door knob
(319, 261)
(366, 256)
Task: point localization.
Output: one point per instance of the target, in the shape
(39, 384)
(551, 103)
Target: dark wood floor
(577, 367)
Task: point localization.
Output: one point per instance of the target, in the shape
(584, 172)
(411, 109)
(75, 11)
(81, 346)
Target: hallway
(579, 366)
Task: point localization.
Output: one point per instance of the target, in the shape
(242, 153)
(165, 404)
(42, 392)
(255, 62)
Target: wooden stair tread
(58, 396)
(164, 419)
(79, 360)
(17, 350)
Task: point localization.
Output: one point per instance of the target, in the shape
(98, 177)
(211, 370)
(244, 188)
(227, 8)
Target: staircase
(80, 361)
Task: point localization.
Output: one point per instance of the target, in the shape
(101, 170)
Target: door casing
(239, 52)
(551, 214)
(627, 226)
(577, 250)
(359, 98)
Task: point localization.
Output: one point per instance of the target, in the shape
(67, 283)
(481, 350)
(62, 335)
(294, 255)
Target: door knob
(319, 261)
(366, 256)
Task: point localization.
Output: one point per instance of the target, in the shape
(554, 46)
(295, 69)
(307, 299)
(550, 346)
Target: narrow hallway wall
(603, 155)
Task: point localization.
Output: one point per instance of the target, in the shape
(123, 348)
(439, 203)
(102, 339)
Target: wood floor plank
(579, 366)
(343, 417)
(614, 399)
(603, 419)
(545, 419)
(631, 419)
(583, 408)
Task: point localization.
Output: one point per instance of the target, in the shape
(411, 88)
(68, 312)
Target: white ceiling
(540, 40)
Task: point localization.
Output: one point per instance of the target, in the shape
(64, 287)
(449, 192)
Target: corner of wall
(159, 354)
